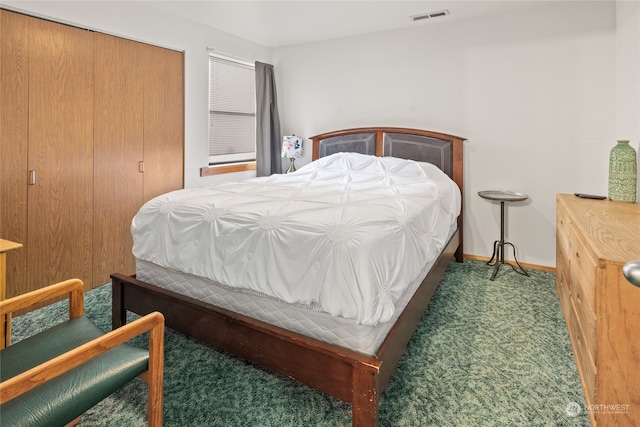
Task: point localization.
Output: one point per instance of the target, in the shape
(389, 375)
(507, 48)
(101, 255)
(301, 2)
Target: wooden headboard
(444, 151)
(440, 149)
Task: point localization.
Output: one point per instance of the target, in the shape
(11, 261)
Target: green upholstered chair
(53, 377)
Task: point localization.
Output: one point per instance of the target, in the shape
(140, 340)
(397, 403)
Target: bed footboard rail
(337, 371)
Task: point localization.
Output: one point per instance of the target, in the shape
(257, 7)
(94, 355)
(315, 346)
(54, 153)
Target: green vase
(623, 172)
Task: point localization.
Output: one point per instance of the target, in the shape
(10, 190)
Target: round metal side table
(497, 258)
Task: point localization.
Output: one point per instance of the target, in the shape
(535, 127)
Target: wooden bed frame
(345, 374)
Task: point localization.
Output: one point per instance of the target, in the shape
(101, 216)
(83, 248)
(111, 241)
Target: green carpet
(485, 354)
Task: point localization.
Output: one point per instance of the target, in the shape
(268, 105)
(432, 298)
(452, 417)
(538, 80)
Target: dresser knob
(631, 271)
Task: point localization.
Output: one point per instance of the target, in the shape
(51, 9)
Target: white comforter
(344, 234)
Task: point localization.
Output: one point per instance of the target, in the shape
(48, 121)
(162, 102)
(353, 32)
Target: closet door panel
(60, 199)
(118, 150)
(163, 121)
(14, 140)
(83, 115)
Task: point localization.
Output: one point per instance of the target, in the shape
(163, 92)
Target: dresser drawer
(564, 295)
(563, 231)
(584, 360)
(563, 265)
(583, 274)
(582, 285)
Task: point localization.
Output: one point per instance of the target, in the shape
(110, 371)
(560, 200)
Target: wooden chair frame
(74, 288)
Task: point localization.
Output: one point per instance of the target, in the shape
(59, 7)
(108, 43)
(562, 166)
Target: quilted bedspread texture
(344, 234)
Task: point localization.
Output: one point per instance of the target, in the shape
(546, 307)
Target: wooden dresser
(594, 239)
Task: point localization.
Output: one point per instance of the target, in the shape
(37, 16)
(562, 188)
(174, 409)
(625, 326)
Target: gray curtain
(268, 138)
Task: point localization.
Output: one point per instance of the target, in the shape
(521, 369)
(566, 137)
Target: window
(232, 111)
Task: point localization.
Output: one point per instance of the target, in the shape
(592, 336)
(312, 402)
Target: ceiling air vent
(429, 15)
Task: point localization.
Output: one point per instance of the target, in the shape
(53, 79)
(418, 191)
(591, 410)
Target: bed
(299, 335)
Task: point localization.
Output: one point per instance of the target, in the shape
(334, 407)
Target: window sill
(231, 168)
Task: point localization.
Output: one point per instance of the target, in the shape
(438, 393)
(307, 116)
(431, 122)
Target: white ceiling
(281, 23)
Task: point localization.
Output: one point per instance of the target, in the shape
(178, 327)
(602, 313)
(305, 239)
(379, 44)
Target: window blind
(232, 111)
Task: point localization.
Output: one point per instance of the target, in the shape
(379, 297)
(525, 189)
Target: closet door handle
(141, 166)
(32, 177)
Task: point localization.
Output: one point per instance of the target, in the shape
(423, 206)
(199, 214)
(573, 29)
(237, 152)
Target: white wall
(534, 91)
(140, 22)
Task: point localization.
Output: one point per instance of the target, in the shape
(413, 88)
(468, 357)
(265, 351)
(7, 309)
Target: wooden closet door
(163, 121)
(60, 200)
(14, 134)
(118, 150)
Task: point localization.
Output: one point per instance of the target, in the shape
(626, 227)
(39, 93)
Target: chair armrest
(38, 375)
(73, 287)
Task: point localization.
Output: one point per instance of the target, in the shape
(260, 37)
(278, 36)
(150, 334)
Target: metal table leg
(498, 251)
